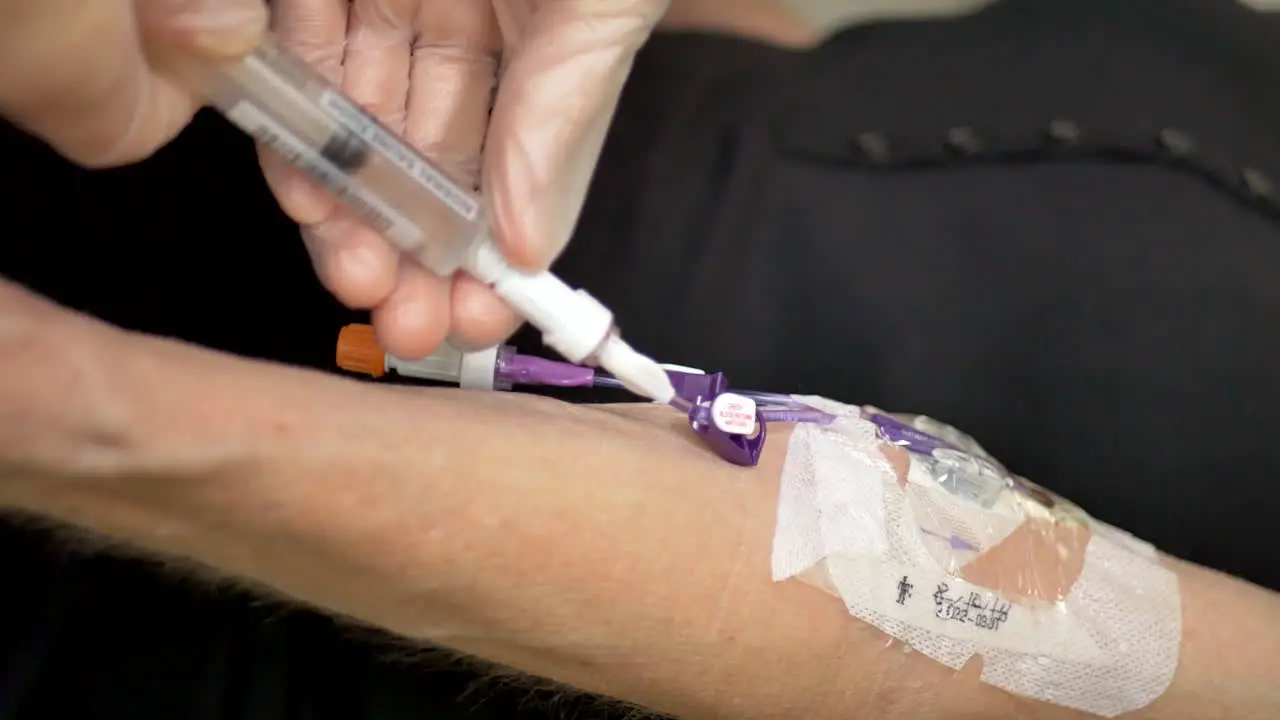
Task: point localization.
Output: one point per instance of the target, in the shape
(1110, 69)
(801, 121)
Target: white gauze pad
(930, 540)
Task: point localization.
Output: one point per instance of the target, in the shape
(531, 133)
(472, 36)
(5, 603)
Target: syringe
(284, 104)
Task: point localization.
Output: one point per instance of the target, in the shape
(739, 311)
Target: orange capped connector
(358, 351)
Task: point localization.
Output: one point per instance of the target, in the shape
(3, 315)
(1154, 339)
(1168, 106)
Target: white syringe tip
(638, 373)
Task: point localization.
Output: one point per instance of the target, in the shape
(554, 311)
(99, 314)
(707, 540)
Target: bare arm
(600, 548)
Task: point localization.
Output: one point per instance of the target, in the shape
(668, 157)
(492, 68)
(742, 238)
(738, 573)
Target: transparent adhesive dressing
(926, 536)
(288, 107)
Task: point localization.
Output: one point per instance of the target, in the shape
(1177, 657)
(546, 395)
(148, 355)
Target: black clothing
(1052, 224)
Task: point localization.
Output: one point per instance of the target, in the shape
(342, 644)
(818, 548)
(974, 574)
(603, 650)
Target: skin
(603, 548)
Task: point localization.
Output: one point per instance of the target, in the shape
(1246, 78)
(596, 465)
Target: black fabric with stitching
(1088, 287)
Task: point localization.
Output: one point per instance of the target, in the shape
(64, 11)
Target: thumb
(210, 29)
(84, 75)
(173, 33)
(567, 61)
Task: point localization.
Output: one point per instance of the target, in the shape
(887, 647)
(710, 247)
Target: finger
(172, 32)
(352, 261)
(141, 113)
(414, 320)
(379, 37)
(480, 319)
(316, 31)
(213, 29)
(454, 69)
(559, 89)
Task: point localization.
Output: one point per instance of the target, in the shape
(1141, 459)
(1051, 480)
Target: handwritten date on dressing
(971, 608)
(988, 614)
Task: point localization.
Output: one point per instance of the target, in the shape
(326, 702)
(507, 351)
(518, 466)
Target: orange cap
(358, 351)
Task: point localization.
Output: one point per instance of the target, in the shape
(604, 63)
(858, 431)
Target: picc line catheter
(285, 105)
(504, 368)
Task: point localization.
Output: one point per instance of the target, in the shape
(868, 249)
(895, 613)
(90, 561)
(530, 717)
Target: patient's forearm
(585, 545)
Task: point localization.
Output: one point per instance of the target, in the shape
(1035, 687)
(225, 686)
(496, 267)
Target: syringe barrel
(292, 109)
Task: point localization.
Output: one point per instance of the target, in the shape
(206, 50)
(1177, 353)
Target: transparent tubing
(287, 106)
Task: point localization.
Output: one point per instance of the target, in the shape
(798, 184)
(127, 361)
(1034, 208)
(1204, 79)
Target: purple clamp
(695, 394)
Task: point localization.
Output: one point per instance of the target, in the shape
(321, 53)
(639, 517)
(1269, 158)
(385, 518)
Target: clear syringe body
(290, 108)
(293, 110)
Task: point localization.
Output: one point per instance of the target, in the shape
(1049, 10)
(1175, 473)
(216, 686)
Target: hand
(95, 79)
(428, 69)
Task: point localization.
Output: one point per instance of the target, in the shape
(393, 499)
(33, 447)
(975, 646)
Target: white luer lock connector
(573, 323)
(471, 371)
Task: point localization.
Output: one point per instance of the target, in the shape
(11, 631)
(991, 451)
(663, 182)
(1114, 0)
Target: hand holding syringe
(290, 108)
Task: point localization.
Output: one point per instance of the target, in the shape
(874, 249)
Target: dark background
(188, 244)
